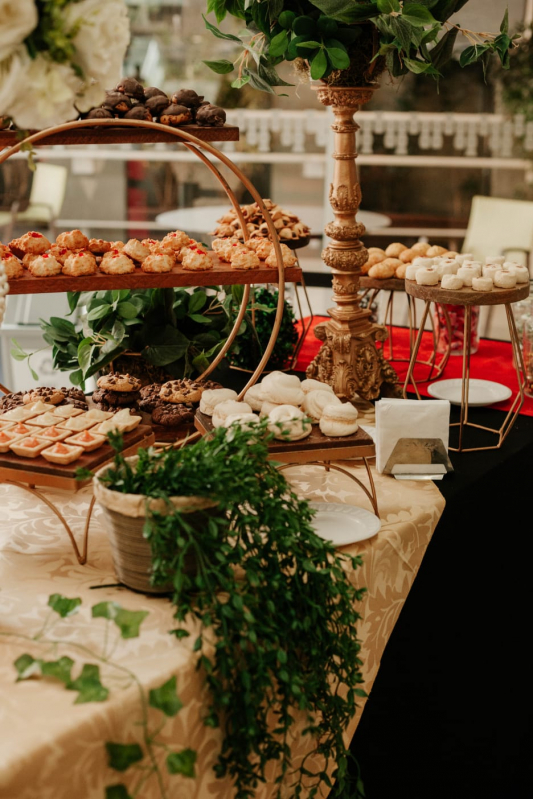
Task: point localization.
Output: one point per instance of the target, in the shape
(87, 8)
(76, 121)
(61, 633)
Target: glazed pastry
(339, 420)
(395, 249)
(385, 269)
(135, 250)
(30, 446)
(228, 408)
(505, 280)
(197, 260)
(255, 397)
(45, 266)
(7, 437)
(158, 262)
(117, 382)
(45, 420)
(176, 240)
(185, 390)
(80, 263)
(452, 282)
(288, 423)
(73, 240)
(427, 276)
(244, 259)
(12, 267)
(316, 401)
(115, 262)
(98, 246)
(87, 440)
(283, 389)
(210, 399)
(31, 242)
(436, 250)
(62, 453)
(242, 420)
(482, 284)
(54, 433)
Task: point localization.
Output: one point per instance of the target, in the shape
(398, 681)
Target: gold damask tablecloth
(54, 749)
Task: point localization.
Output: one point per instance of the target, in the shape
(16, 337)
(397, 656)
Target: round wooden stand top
(387, 284)
(466, 295)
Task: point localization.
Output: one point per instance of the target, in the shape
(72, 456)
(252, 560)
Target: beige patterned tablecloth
(54, 749)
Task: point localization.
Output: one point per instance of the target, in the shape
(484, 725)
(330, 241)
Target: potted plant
(267, 648)
(155, 334)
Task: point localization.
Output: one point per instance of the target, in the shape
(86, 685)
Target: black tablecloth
(450, 712)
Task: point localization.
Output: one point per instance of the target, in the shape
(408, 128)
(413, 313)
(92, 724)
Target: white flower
(17, 19)
(101, 43)
(43, 93)
(12, 72)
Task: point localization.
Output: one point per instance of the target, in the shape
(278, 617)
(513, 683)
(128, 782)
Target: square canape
(55, 433)
(20, 414)
(29, 446)
(121, 421)
(66, 411)
(45, 420)
(77, 424)
(6, 439)
(22, 429)
(38, 406)
(97, 415)
(88, 439)
(62, 453)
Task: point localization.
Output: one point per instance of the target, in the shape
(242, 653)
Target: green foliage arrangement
(171, 328)
(332, 36)
(247, 350)
(88, 687)
(276, 605)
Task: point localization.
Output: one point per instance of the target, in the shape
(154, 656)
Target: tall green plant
(276, 607)
(410, 35)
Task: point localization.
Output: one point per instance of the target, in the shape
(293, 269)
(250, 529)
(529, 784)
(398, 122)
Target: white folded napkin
(401, 418)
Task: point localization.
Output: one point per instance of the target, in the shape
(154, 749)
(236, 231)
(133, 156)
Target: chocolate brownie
(172, 414)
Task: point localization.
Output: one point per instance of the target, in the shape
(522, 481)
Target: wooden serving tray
(38, 471)
(221, 275)
(466, 295)
(125, 135)
(316, 447)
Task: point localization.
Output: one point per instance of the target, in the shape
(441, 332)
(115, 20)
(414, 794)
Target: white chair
(500, 227)
(46, 199)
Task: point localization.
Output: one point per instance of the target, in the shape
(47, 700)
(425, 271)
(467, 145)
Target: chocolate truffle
(153, 91)
(132, 88)
(187, 97)
(210, 115)
(138, 111)
(157, 104)
(117, 102)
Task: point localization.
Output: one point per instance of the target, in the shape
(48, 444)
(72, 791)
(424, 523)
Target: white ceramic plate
(480, 392)
(344, 524)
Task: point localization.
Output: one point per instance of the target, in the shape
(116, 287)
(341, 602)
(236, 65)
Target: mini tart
(125, 420)
(158, 262)
(54, 433)
(62, 453)
(67, 411)
(29, 446)
(7, 437)
(78, 423)
(20, 414)
(45, 420)
(176, 240)
(73, 240)
(116, 262)
(22, 429)
(97, 415)
(6, 425)
(244, 259)
(80, 263)
(45, 265)
(88, 440)
(134, 249)
(197, 260)
(98, 246)
(32, 242)
(12, 267)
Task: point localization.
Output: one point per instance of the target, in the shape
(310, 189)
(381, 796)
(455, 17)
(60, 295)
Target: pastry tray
(467, 295)
(221, 275)
(39, 471)
(121, 134)
(316, 447)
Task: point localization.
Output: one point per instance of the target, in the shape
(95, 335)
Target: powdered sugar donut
(316, 401)
(505, 280)
(482, 283)
(228, 408)
(427, 276)
(288, 423)
(213, 397)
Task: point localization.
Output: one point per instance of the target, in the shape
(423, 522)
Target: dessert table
(63, 742)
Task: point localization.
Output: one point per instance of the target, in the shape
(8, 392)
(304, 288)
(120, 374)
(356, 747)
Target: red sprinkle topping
(45, 255)
(36, 235)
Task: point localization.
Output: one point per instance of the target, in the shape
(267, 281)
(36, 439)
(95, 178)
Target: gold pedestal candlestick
(349, 359)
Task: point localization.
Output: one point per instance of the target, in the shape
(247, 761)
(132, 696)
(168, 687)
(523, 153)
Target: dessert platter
(291, 230)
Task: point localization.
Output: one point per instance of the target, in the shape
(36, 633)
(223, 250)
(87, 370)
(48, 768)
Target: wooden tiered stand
(198, 141)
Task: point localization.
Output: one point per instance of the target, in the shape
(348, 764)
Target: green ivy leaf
(319, 65)
(88, 685)
(418, 15)
(238, 83)
(128, 621)
(201, 320)
(64, 606)
(165, 698)
(121, 756)
(472, 54)
(27, 667)
(221, 67)
(419, 67)
(278, 45)
(182, 763)
(219, 34)
(118, 791)
(60, 669)
(388, 6)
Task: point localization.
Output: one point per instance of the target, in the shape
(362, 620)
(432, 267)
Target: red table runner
(493, 361)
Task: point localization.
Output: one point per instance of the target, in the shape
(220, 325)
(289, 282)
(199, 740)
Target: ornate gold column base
(349, 360)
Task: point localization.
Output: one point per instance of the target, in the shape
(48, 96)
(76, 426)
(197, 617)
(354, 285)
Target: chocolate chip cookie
(75, 397)
(172, 414)
(48, 394)
(209, 385)
(181, 391)
(10, 401)
(149, 397)
(108, 400)
(119, 383)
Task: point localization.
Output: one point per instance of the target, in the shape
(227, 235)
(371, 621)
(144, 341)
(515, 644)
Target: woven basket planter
(124, 516)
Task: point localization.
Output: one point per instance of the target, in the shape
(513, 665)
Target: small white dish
(343, 524)
(480, 392)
